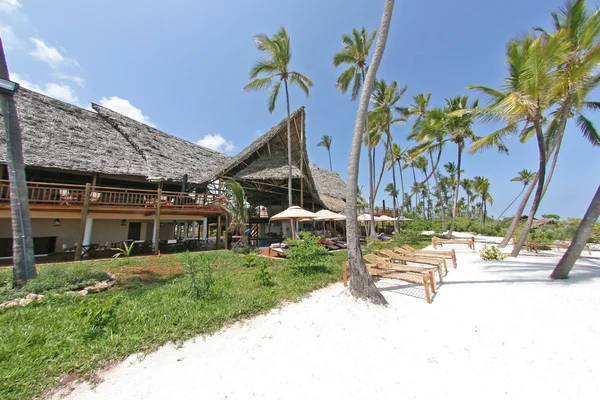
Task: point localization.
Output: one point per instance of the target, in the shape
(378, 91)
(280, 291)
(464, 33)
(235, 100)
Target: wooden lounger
(567, 245)
(384, 263)
(439, 263)
(376, 272)
(436, 241)
(445, 254)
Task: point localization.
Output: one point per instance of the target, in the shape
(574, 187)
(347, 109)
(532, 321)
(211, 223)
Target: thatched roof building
(64, 137)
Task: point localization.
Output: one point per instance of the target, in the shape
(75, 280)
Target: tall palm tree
(482, 186)
(276, 66)
(238, 208)
(524, 176)
(393, 192)
(467, 186)
(396, 156)
(354, 54)
(326, 142)
(580, 239)
(460, 129)
(361, 284)
(23, 256)
(417, 108)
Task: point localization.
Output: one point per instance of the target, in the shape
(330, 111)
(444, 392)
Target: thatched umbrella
(326, 215)
(293, 213)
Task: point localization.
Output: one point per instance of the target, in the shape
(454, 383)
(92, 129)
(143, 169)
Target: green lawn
(47, 340)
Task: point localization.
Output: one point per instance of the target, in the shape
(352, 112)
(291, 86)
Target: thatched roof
(330, 187)
(67, 137)
(167, 157)
(63, 136)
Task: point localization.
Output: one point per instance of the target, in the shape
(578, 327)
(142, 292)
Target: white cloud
(9, 39)
(79, 81)
(258, 133)
(8, 6)
(124, 107)
(51, 55)
(216, 142)
(52, 89)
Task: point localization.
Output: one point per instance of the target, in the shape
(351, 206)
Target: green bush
(57, 279)
(491, 253)
(197, 268)
(262, 274)
(306, 254)
(249, 260)
(98, 314)
(245, 250)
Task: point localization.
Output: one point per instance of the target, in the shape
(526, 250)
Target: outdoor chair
(439, 263)
(445, 254)
(95, 197)
(67, 251)
(386, 263)
(104, 249)
(66, 196)
(436, 241)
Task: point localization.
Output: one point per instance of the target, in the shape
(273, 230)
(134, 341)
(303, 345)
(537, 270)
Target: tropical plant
(396, 155)
(237, 208)
(467, 186)
(361, 284)
(306, 254)
(197, 267)
(262, 274)
(354, 54)
(482, 187)
(582, 235)
(525, 177)
(555, 217)
(22, 233)
(326, 142)
(489, 253)
(393, 192)
(124, 251)
(276, 66)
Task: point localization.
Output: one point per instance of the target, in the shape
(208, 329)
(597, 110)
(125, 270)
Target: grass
(53, 339)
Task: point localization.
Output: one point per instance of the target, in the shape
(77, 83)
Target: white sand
(495, 330)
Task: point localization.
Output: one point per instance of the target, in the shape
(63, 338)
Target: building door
(135, 230)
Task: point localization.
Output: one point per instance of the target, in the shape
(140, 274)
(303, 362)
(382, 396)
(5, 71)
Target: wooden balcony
(65, 197)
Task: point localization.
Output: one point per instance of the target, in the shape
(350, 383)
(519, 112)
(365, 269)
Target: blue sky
(181, 66)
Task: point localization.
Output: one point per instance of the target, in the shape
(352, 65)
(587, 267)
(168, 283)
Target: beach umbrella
(404, 219)
(364, 218)
(385, 218)
(293, 213)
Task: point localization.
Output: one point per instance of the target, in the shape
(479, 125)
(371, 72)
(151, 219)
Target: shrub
(197, 268)
(491, 253)
(249, 260)
(262, 274)
(125, 251)
(306, 254)
(245, 250)
(98, 314)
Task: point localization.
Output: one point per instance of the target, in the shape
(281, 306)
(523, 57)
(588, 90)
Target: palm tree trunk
(512, 202)
(517, 218)
(415, 193)
(438, 192)
(23, 255)
(289, 144)
(582, 235)
(394, 198)
(538, 193)
(361, 284)
(329, 151)
(371, 224)
(456, 188)
(402, 186)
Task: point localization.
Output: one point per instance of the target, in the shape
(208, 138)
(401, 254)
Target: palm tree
(361, 284)
(525, 177)
(467, 186)
(355, 53)
(580, 239)
(459, 130)
(417, 108)
(396, 156)
(482, 187)
(276, 65)
(23, 258)
(238, 209)
(326, 142)
(361, 202)
(393, 192)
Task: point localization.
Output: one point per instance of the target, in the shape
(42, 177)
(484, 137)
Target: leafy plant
(249, 259)
(245, 250)
(306, 254)
(197, 267)
(98, 314)
(491, 253)
(551, 216)
(125, 251)
(262, 274)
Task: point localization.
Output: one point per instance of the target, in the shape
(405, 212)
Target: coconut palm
(326, 142)
(525, 177)
(237, 208)
(396, 155)
(580, 239)
(393, 192)
(482, 187)
(417, 108)
(276, 66)
(361, 284)
(23, 258)
(467, 186)
(354, 54)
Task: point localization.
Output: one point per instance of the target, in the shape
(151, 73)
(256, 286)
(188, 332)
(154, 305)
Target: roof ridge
(116, 126)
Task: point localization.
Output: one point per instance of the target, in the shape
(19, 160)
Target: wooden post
(302, 161)
(84, 211)
(94, 180)
(157, 221)
(226, 232)
(2, 171)
(218, 242)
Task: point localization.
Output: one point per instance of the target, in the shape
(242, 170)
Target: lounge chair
(436, 241)
(393, 273)
(566, 245)
(438, 263)
(386, 264)
(279, 249)
(445, 254)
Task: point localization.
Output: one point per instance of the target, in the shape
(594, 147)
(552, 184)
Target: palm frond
(494, 140)
(259, 83)
(273, 93)
(588, 130)
(302, 81)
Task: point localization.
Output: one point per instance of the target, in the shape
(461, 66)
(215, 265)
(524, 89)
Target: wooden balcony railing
(74, 195)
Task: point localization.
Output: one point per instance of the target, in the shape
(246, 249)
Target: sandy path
(495, 330)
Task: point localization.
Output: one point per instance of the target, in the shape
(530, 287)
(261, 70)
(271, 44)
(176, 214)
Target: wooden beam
(157, 221)
(84, 212)
(218, 243)
(94, 180)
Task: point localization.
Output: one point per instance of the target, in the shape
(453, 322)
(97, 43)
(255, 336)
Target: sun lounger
(439, 263)
(566, 245)
(391, 273)
(386, 264)
(445, 254)
(436, 241)
(278, 249)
